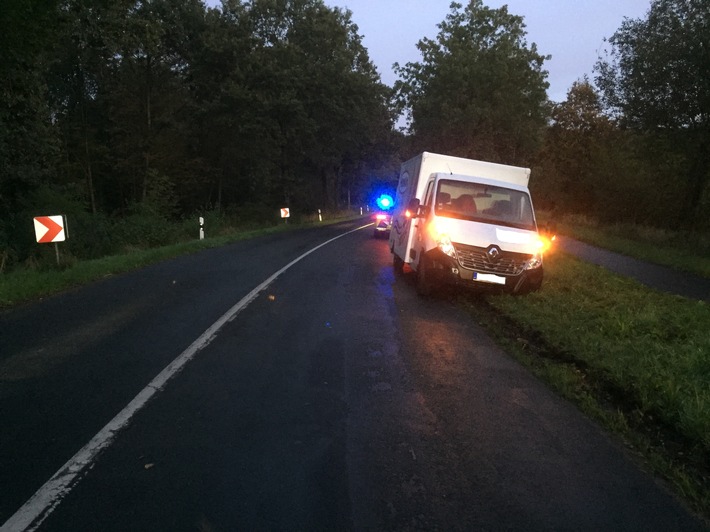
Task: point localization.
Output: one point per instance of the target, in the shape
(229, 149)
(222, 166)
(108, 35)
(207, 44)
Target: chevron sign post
(285, 214)
(49, 229)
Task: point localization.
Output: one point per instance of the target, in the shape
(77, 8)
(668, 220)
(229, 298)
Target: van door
(419, 242)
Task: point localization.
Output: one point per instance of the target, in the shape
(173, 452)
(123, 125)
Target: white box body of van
(474, 224)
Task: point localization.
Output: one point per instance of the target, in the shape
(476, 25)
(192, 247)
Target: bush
(142, 230)
(91, 235)
(252, 215)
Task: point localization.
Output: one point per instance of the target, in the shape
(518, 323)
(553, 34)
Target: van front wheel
(424, 281)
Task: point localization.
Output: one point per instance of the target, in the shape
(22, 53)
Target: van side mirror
(412, 208)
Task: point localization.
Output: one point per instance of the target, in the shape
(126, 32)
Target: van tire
(527, 286)
(424, 281)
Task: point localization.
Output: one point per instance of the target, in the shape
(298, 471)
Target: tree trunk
(149, 124)
(89, 175)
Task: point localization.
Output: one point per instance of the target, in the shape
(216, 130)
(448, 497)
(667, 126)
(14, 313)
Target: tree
(75, 90)
(302, 107)
(572, 177)
(342, 96)
(148, 96)
(480, 90)
(120, 99)
(655, 79)
(589, 165)
(152, 109)
(28, 144)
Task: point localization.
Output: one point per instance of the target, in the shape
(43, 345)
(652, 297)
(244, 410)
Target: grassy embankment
(636, 360)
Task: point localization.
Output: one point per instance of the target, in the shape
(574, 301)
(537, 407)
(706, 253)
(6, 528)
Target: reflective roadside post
(202, 228)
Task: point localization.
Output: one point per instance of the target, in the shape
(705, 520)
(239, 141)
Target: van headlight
(438, 230)
(535, 261)
(446, 246)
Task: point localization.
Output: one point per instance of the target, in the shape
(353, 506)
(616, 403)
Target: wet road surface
(337, 400)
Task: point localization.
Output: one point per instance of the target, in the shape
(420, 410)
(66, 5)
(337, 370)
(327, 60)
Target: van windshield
(484, 203)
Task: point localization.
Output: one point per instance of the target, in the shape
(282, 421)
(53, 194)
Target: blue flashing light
(385, 202)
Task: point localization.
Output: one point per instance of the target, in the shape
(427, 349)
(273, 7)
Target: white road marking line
(31, 515)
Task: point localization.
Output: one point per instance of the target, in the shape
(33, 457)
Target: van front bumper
(447, 270)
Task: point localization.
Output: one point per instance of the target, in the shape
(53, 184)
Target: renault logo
(493, 253)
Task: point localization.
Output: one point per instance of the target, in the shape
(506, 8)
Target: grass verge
(636, 360)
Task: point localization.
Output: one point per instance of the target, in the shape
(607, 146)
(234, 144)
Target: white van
(466, 222)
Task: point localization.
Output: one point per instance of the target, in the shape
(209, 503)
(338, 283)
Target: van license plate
(488, 278)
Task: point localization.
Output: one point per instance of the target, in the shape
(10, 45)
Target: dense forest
(131, 117)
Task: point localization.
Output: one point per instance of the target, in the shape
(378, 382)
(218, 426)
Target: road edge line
(31, 514)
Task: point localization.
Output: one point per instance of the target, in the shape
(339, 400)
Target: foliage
(146, 111)
(574, 143)
(303, 109)
(636, 152)
(158, 110)
(28, 144)
(479, 90)
(655, 79)
(588, 165)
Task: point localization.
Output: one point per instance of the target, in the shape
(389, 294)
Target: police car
(382, 217)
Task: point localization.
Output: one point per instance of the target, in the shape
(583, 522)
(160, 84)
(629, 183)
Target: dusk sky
(571, 31)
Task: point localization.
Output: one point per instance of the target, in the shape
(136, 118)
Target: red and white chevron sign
(49, 229)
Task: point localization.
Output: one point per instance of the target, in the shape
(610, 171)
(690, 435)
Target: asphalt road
(336, 399)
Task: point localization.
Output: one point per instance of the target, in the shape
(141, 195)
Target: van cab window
(425, 208)
(427, 196)
(484, 203)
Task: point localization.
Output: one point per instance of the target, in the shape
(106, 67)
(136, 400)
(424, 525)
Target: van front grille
(480, 260)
